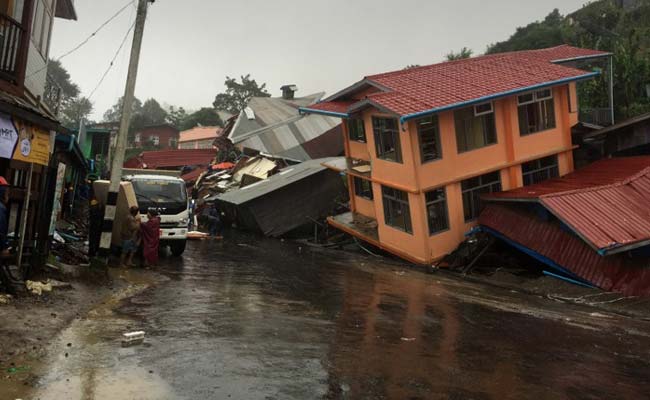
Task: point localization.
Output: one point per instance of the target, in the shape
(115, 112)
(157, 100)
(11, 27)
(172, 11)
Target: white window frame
(535, 97)
(490, 111)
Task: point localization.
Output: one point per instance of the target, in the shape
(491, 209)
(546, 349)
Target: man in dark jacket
(213, 217)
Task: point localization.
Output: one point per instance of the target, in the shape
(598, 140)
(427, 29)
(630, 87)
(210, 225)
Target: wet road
(264, 320)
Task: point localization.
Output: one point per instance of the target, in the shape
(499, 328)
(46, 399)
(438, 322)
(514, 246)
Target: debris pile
(69, 244)
(228, 175)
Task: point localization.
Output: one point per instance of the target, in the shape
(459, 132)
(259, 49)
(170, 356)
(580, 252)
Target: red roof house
(423, 144)
(593, 221)
(163, 137)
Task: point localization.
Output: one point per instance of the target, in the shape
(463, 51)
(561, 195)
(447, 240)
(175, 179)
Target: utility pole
(120, 146)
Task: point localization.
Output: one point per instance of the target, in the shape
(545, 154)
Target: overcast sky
(190, 46)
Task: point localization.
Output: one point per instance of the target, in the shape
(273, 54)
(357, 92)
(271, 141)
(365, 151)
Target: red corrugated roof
(617, 273)
(171, 158)
(605, 203)
(451, 84)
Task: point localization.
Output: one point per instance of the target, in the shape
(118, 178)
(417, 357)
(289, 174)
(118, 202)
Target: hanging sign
(8, 136)
(33, 144)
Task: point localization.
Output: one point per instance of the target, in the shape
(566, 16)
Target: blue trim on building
(497, 95)
(535, 255)
(564, 278)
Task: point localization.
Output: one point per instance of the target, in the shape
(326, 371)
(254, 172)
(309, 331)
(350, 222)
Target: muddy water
(251, 319)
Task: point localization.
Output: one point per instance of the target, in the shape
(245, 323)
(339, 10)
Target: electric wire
(110, 66)
(86, 40)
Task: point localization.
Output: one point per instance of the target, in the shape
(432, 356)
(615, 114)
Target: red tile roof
(200, 133)
(606, 203)
(549, 240)
(171, 158)
(452, 84)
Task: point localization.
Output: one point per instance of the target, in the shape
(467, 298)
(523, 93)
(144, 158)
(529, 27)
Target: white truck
(168, 195)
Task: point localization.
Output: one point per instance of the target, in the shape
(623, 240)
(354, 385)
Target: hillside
(618, 26)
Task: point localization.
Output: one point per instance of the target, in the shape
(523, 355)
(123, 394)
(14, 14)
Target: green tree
(602, 25)
(61, 76)
(114, 114)
(153, 113)
(75, 110)
(204, 117)
(463, 53)
(176, 116)
(237, 94)
(72, 107)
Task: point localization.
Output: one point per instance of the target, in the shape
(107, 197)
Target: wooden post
(23, 220)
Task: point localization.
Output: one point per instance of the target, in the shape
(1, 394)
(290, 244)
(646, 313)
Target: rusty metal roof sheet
(606, 203)
(549, 242)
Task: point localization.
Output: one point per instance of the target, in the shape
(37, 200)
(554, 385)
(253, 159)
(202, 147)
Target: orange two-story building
(423, 144)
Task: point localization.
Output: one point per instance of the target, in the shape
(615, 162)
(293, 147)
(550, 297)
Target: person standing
(150, 233)
(213, 218)
(130, 229)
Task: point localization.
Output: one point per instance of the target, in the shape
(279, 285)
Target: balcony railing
(11, 35)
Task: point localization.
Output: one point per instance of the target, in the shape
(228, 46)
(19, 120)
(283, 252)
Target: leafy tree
(176, 116)
(75, 110)
(204, 117)
(72, 107)
(114, 114)
(61, 76)
(153, 113)
(463, 53)
(237, 94)
(602, 25)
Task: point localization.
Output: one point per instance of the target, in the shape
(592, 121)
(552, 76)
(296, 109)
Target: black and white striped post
(120, 145)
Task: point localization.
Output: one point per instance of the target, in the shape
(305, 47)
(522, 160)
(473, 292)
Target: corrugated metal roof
(554, 245)
(279, 129)
(451, 84)
(606, 203)
(283, 178)
(171, 158)
(600, 173)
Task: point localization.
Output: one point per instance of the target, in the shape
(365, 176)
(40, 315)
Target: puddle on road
(282, 326)
(80, 361)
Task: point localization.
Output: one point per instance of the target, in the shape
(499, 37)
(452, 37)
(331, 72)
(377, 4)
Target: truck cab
(168, 196)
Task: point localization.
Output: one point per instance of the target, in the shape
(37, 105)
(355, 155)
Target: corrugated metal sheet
(600, 173)
(283, 178)
(171, 158)
(279, 129)
(549, 240)
(605, 203)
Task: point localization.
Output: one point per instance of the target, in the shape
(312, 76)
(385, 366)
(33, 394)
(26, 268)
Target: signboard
(23, 142)
(8, 136)
(56, 209)
(33, 144)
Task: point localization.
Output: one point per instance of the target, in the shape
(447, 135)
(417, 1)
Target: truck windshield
(152, 192)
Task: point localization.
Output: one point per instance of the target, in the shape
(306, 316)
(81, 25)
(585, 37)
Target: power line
(110, 66)
(85, 41)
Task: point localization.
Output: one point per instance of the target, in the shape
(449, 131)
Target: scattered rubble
(38, 288)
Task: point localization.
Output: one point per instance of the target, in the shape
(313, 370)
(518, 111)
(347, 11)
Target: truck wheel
(177, 247)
